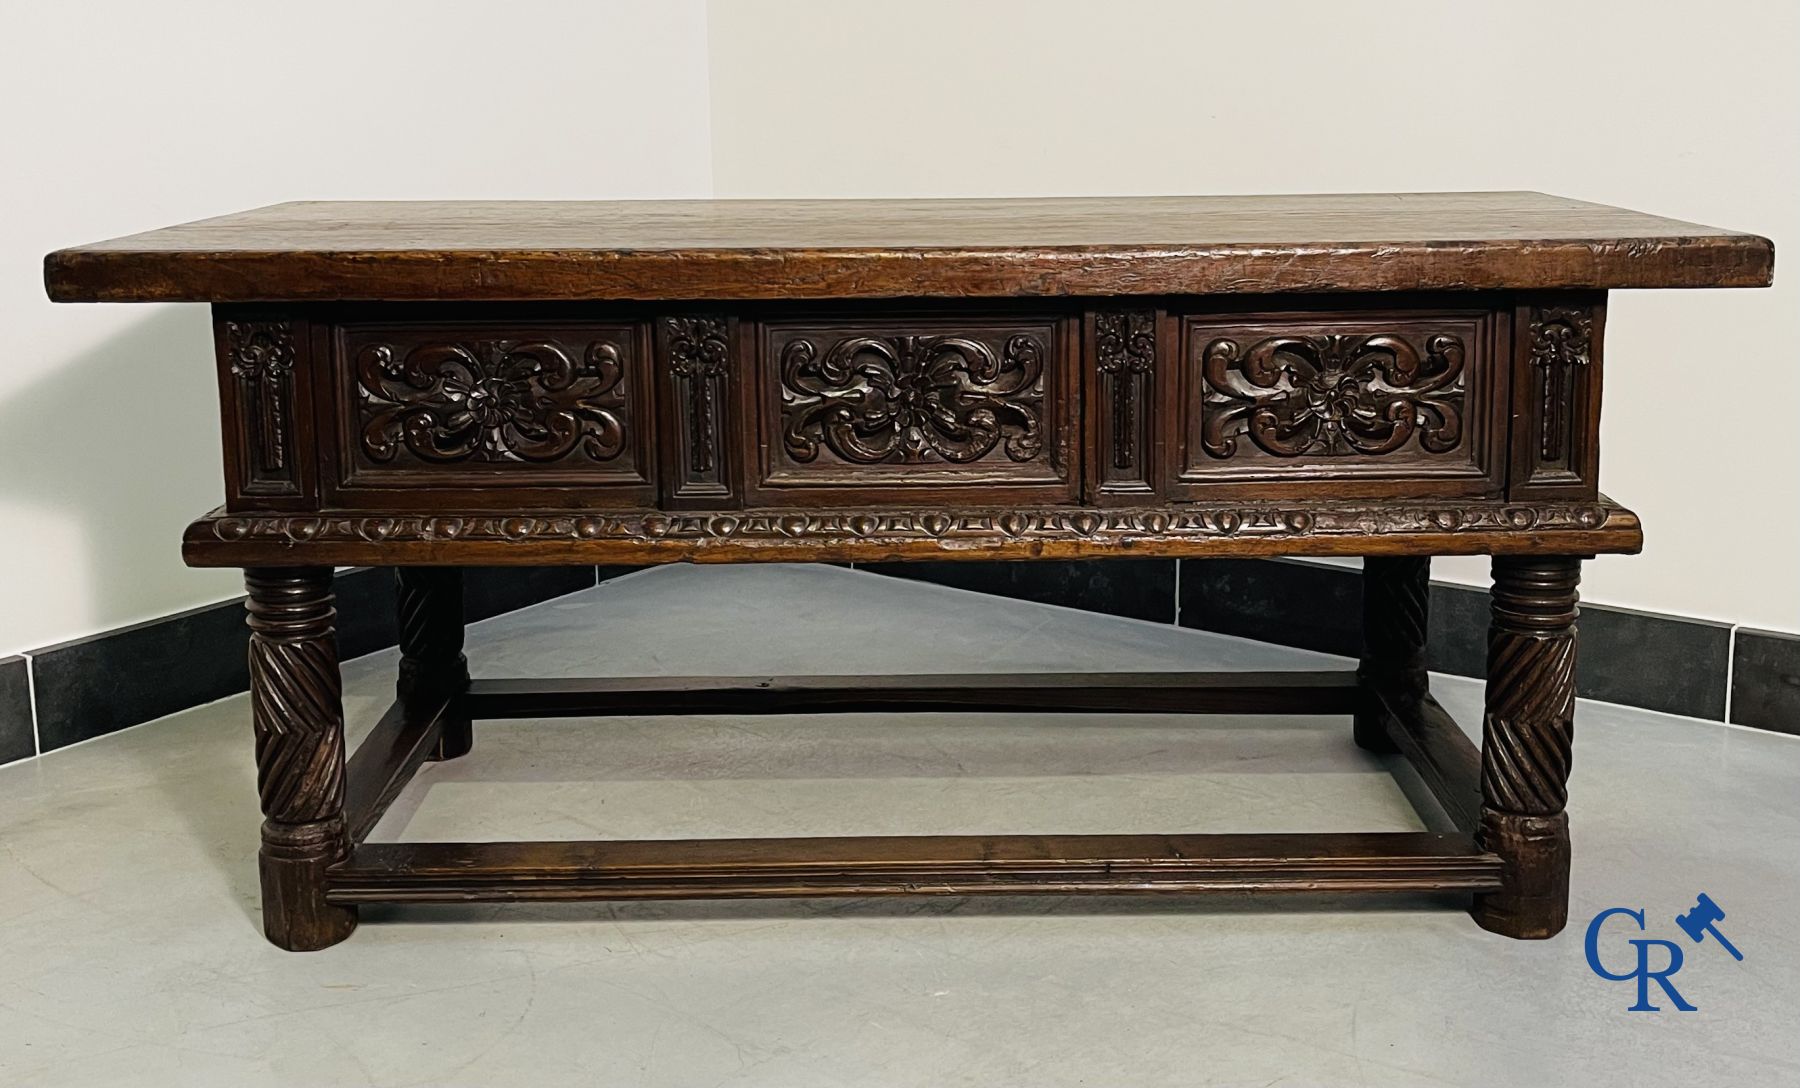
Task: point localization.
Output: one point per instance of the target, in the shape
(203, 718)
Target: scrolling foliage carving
(910, 399)
(1333, 395)
(491, 400)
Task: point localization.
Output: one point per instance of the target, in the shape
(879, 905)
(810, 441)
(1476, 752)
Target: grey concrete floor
(130, 950)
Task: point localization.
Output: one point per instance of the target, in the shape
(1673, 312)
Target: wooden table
(435, 385)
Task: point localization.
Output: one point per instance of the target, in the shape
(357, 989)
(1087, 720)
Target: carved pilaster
(696, 352)
(1561, 337)
(296, 703)
(1125, 353)
(1395, 619)
(1527, 739)
(264, 439)
(1556, 408)
(429, 606)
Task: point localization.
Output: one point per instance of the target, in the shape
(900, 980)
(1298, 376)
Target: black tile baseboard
(1305, 605)
(1765, 681)
(1141, 589)
(1640, 659)
(106, 682)
(17, 737)
(1644, 659)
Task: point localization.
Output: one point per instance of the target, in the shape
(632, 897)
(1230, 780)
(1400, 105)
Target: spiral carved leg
(296, 701)
(1527, 738)
(432, 665)
(1396, 608)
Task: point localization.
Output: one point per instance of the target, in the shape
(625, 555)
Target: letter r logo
(1642, 971)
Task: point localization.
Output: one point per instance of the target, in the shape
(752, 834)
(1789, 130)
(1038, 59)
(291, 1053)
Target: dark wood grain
(684, 250)
(297, 713)
(387, 759)
(1528, 736)
(1122, 692)
(428, 605)
(1396, 614)
(1445, 759)
(912, 865)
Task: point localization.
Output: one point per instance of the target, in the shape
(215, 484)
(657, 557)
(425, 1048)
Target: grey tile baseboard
(1675, 664)
(1641, 659)
(100, 684)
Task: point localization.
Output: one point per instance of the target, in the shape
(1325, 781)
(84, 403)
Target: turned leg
(1396, 605)
(1527, 733)
(432, 665)
(296, 701)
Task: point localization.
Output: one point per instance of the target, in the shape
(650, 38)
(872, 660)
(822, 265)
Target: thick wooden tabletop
(814, 249)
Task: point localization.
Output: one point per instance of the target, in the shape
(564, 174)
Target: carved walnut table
(433, 385)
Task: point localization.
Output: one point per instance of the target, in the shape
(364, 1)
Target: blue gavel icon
(1697, 923)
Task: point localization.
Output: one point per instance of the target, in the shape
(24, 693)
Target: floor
(130, 951)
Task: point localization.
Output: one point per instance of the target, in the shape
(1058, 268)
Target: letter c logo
(1592, 945)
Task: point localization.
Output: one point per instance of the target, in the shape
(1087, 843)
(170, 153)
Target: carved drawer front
(440, 415)
(1357, 403)
(910, 406)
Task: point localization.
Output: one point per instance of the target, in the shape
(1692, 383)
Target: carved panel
(490, 400)
(926, 402)
(1555, 441)
(459, 406)
(1390, 405)
(1125, 358)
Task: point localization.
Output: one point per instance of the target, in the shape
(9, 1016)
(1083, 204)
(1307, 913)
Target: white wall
(123, 116)
(117, 117)
(1687, 110)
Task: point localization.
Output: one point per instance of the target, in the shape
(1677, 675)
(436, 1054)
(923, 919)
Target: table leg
(432, 665)
(296, 700)
(1527, 734)
(1396, 607)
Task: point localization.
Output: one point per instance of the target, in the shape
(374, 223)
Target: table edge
(1699, 261)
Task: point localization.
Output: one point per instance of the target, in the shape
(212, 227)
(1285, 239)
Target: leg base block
(1534, 850)
(294, 858)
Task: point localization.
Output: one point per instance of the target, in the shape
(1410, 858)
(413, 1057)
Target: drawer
(441, 415)
(868, 410)
(1352, 403)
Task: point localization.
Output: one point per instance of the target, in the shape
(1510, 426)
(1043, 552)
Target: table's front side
(624, 432)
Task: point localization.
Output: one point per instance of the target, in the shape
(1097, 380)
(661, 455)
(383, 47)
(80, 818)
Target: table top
(816, 249)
